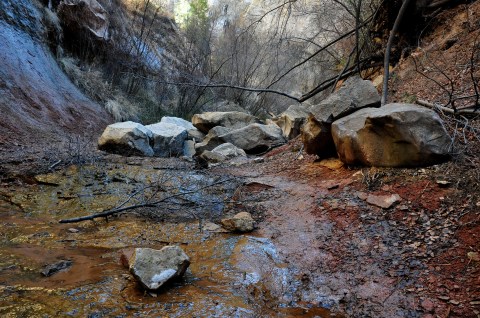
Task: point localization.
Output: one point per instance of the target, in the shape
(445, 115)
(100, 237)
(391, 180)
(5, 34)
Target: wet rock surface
(51, 269)
(154, 268)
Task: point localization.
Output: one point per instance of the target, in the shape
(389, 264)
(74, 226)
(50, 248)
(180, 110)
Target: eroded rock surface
(85, 15)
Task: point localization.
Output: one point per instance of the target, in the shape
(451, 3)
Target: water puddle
(230, 275)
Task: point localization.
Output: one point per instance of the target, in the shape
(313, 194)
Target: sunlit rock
(178, 121)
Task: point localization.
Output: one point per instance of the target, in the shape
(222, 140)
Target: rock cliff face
(37, 99)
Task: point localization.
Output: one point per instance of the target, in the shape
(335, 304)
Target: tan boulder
(234, 120)
(355, 94)
(395, 135)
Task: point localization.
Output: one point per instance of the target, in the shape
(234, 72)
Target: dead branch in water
(120, 208)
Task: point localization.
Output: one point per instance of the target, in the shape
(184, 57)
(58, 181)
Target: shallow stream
(231, 275)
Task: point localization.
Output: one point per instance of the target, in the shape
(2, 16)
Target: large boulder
(192, 132)
(355, 94)
(212, 139)
(168, 139)
(178, 121)
(153, 268)
(292, 120)
(395, 135)
(85, 15)
(255, 138)
(234, 120)
(126, 138)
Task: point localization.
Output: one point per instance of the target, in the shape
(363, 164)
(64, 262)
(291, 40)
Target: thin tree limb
(386, 62)
(136, 206)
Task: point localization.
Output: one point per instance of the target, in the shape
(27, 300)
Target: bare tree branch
(386, 63)
(119, 208)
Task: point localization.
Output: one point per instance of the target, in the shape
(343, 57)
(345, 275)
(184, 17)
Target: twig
(136, 206)
(55, 164)
(463, 111)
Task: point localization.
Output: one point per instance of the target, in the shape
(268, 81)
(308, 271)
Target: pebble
(428, 305)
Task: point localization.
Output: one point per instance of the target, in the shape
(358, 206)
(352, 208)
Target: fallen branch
(119, 208)
(463, 111)
(55, 164)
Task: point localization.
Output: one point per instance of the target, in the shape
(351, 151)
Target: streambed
(231, 275)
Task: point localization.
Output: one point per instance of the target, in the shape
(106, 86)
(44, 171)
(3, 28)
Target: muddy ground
(319, 250)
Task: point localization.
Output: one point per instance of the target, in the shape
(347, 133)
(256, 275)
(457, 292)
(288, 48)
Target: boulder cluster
(349, 123)
(213, 136)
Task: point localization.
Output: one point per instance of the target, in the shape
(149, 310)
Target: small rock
(383, 201)
(331, 163)
(259, 160)
(241, 222)
(443, 183)
(445, 298)
(428, 305)
(473, 256)
(212, 227)
(153, 268)
(213, 157)
(362, 195)
(51, 269)
(73, 230)
(333, 186)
